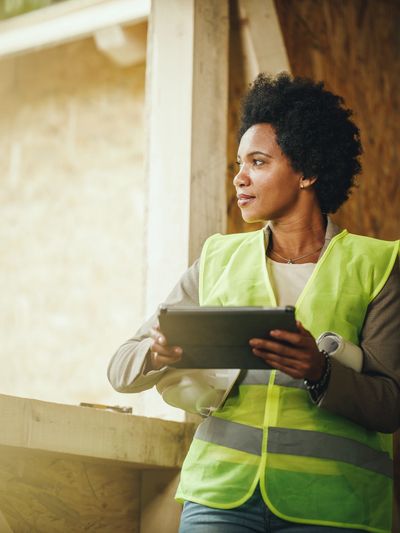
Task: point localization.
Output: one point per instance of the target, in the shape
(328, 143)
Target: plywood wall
(52, 493)
(353, 45)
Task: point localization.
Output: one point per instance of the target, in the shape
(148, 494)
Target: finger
(167, 351)
(280, 362)
(160, 360)
(276, 347)
(155, 329)
(283, 366)
(296, 338)
(158, 336)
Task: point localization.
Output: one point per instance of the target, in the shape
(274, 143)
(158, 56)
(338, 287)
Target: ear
(306, 183)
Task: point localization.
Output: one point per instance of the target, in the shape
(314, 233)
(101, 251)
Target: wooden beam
(92, 433)
(187, 92)
(125, 47)
(67, 468)
(66, 21)
(262, 37)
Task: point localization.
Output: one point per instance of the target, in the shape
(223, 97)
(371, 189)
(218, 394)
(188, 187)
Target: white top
(288, 280)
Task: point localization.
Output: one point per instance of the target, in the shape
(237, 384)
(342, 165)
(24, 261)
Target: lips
(244, 199)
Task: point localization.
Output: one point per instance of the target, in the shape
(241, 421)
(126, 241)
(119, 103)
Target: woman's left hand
(295, 354)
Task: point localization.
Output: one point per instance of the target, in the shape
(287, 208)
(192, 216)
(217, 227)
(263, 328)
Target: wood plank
(66, 468)
(66, 21)
(263, 32)
(186, 158)
(93, 433)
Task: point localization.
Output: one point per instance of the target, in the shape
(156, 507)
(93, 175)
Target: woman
(305, 447)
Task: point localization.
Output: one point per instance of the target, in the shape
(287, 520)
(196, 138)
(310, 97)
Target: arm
(126, 371)
(372, 399)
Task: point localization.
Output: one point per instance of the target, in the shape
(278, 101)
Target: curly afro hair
(313, 130)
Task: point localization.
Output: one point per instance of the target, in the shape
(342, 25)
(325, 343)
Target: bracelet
(317, 388)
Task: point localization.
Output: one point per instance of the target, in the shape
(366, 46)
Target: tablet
(218, 337)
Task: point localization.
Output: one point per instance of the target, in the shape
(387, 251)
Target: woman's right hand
(160, 353)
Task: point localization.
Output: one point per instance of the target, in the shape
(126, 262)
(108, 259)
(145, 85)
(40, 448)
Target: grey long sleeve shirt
(370, 399)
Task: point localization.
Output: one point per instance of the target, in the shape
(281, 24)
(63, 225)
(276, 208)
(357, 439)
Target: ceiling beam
(67, 21)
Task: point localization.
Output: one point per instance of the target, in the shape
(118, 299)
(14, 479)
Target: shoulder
(368, 249)
(369, 243)
(231, 240)
(374, 260)
(389, 296)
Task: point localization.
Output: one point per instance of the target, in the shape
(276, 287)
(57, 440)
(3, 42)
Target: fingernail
(161, 340)
(274, 332)
(178, 351)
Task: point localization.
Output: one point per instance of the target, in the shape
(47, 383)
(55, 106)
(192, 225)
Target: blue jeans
(253, 516)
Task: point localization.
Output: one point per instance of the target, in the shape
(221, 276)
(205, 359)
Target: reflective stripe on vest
(261, 377)
(294, 442)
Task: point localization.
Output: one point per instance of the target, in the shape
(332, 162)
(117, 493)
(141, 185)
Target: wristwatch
(342, 350)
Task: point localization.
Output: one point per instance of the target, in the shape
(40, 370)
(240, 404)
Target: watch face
(329, 343)
(332, 345)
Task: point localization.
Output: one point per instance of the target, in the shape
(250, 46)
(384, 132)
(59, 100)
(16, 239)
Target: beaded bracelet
(317, 388)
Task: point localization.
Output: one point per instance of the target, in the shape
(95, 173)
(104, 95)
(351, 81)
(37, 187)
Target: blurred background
(71, 198)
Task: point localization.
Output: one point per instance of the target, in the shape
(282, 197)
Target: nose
(242, 178)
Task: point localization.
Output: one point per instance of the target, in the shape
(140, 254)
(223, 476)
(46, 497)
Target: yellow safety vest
(313, 466)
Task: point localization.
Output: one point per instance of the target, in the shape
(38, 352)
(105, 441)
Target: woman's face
(266, 185)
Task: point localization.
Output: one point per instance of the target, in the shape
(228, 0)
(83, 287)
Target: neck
(298, 235)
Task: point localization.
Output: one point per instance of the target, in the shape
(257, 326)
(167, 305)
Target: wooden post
(187, 93)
